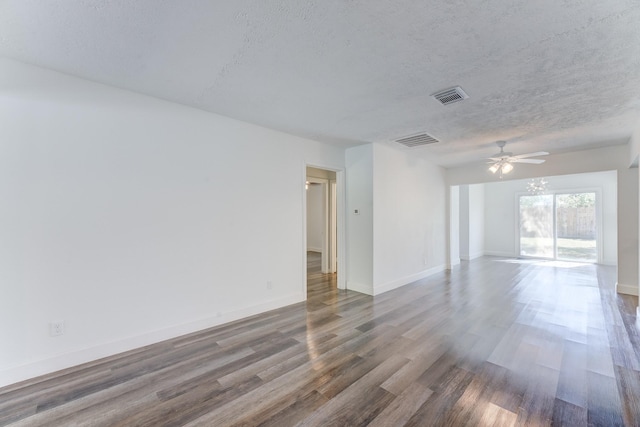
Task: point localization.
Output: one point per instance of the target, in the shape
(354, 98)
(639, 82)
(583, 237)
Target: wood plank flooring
(493, 342)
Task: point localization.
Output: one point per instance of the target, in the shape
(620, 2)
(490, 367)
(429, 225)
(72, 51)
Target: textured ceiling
(544, 75)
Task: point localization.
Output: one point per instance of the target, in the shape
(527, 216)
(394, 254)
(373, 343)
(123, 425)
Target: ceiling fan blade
(531, 161)
(538, 153)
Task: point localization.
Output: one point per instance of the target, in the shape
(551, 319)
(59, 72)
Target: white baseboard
(67, 360)
(476, 255)
(453, 263)
(386, 287)
(359, 287)
(627, 289)
(501, 254)
(471, 257)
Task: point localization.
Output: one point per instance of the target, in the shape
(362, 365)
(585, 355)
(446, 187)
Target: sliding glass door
(559, 226)
(576, 227)
(536, 226)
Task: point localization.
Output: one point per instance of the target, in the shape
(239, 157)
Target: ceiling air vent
(451, 95)
(417, 140)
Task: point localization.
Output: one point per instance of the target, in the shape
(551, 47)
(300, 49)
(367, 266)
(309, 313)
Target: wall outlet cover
(56, 328)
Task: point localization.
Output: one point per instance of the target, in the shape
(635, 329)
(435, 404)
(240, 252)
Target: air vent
(451, 95)
(417, 140)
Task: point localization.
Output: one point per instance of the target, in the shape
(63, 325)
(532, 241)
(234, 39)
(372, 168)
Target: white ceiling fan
(503, 161)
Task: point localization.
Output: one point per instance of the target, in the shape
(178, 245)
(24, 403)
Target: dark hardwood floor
(494, 342)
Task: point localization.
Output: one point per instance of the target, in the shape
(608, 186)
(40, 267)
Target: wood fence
(571, 223)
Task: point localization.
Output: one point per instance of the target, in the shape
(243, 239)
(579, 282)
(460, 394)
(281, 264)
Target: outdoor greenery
(573, 200)
(577, 200)
(536, 201)
(568, 249)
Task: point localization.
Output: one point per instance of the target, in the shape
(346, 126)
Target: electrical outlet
(269, 285)
(56, 328)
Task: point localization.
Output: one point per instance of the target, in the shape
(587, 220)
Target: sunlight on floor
(545, 263)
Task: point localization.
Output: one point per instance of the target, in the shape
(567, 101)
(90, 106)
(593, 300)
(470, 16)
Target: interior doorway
(321, 227)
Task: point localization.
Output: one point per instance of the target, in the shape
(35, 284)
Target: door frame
(326, 214)
(333, 226)
(340, 241)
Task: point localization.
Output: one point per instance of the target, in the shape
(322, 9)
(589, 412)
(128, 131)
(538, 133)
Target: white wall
(464, 222)
(409, 220)
(501, 217)
(634, 146)
(476, 221)
(634, 155)
(502, 211)
(133, 219)
(628, 231)
(471, 221)
(454, 226)
(315, 217)
(359, 228)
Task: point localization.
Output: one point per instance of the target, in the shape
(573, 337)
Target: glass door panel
(576, 227)
(536, 226)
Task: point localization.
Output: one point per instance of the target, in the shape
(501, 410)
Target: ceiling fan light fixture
(503, 161)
